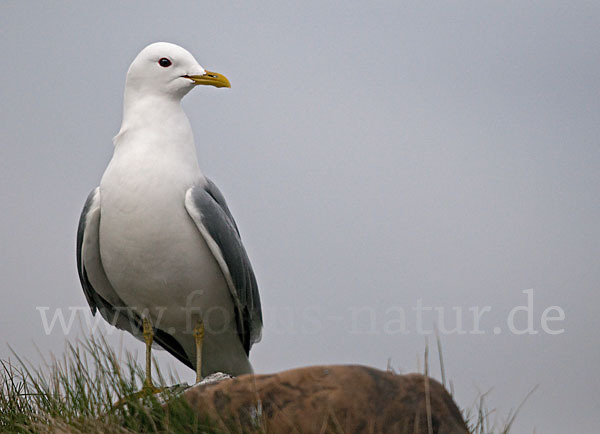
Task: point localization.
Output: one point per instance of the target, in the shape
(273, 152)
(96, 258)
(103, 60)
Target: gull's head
(168, 70)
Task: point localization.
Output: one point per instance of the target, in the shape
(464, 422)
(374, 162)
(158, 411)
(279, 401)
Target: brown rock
(328, 399)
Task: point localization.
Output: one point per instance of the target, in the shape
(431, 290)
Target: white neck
(157, 123)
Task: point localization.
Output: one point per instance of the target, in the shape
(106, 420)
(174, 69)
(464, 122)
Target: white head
(168, 70)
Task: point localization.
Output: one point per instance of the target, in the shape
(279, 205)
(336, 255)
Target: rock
(213, 378)
(327, 399)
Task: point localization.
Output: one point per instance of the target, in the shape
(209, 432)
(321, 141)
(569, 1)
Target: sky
(392, 166)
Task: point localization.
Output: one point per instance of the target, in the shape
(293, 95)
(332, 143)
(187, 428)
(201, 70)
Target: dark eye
(164, 62)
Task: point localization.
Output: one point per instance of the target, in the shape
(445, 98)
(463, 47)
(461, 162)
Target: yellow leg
(199, 337)
(148, 338)
(148, 387)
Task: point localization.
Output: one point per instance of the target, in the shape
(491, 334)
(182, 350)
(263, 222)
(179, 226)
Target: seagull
(158, 252)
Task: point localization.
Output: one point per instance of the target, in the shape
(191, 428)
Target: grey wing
(207, 207)
(98, 290)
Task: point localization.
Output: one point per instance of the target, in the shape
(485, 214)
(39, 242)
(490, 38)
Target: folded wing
(207, 207)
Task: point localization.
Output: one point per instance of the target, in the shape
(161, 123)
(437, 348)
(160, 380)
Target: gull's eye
(164, 62)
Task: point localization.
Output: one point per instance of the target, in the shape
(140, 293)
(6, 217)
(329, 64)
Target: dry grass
(480, 419)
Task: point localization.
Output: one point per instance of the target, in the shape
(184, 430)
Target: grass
(479, 418)
(77, 394)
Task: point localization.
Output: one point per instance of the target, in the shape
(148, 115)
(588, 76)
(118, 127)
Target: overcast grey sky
(378, 157)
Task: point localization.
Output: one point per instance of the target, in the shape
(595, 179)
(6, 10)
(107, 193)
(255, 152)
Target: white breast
(152, 252)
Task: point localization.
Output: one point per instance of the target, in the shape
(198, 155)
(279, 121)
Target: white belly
(153, 254)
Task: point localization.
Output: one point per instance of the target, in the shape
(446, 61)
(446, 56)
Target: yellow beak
(210, 79)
